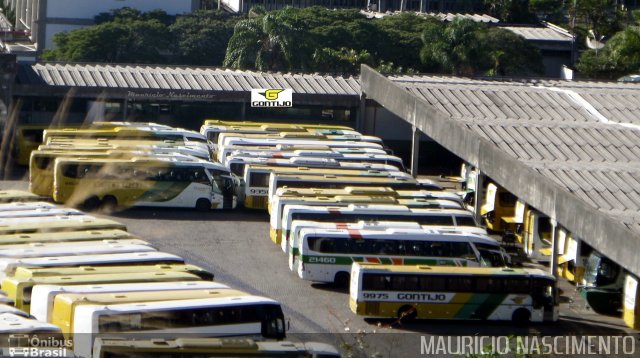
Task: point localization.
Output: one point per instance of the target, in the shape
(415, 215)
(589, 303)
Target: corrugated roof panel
(612, 200)
(520, 150)
(594, 181)
(618, 181)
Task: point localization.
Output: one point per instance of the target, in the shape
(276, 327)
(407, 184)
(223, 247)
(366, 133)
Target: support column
(360, 118)
(415, 150)
(579, 264)
(553, 265)
(243, 111)
(477, 196)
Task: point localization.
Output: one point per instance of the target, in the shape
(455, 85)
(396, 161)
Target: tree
(451, 48)
(202, 37)
(504, 53)
(400, 39)
(137, 41)
(601, 15)
(275, 41)
(619, 56)
(511, 11)
(344, 60)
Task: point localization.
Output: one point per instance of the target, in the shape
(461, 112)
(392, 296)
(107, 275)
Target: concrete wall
(597, 229)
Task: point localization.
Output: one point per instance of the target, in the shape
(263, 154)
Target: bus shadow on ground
(563, 327)
(190, 214)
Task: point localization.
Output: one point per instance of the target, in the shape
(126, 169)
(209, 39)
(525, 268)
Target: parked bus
(13, 324)
(21, 216)
(274, 142)
(326, 255)
(42, 163)
(340, 182)
(69, 236)
(22, 206)
(602, 286)
(52, 224)
(237, 163)
(283, 194)
(93, 146)
(12, 196)
(26, 272)
(20, 289)
(243, 315)
(7, 307)
(225, 139)
(160, 182)
(65, 304)
(293, 243)
(234, 160)
(281, 201)
(209, 347)
(43, 295)
(256, 179)
(311, 150)
(460, 293)
(212, 128)
(8, 267)
(498, 203)
(456, 218)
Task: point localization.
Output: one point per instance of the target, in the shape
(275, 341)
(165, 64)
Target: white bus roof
(25, 205)
(375, 208)
(402, 234)
(276, 141)
(11, 323)
(5, 308)
(43, 295)
(42, 219)
(19, 215)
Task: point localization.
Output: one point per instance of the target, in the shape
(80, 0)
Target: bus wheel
(342, 279)
(91, 203)
(407, 313)
(521, 316)
(203, 205)
(109, 204)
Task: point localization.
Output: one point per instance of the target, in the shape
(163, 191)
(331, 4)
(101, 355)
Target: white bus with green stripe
(157, 182)
(312, 149)
(278, 204)
(455, 218)
(454, 293)
(292, 248)
(326, 255)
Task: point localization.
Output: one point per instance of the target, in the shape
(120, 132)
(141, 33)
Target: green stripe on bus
(485, 304)
(342, 260)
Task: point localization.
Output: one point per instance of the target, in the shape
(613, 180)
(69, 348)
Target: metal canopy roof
(570, 149)
(141, 77)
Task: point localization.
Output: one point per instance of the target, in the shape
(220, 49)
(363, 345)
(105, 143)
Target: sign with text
(271, 97)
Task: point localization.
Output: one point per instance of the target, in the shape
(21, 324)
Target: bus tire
(521, 316)
(203, 205)
(91, 203)
(109, 204)
(342, 279)
(407, 313)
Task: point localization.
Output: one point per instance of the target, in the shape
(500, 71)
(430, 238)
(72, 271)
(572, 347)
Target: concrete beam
(604, 233)
(415, 151)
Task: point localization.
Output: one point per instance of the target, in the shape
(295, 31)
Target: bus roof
(17, 239)
(96, 269)
(336, 172)
(312, 162)
(11, 323)
(363, 190)
(443, 270)
(60, 223)
(9, 196)
(151, 161)
(104, 278)
(145, 296)
(401, 234)
(26, 205)
(364, 208)
(7, 216)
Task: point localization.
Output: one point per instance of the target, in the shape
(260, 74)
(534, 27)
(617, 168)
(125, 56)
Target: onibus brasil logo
(271, 97)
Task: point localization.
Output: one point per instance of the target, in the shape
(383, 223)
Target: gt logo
(271, 94)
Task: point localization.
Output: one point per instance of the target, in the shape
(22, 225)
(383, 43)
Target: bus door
(229, 191)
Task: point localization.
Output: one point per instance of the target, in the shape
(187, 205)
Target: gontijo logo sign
(271, 97)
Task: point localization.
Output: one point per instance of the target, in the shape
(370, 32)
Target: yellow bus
(61, 224)
(65, 304)
(27, 272)
(19, 289)
(256, 179)
(330, 181)
(460, 293)
(239, 315)
(158, 182)
(43, 296)
(42, 163)
(91, 146)
(14, 326)
(317, 136)
(211, 128)
(70, 236)
(209, 347)
(498, 203)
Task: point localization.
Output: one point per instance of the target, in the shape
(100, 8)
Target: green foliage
(511, 11)
(345, 60)
(467, 48)
(201, 38)
(275, 41)
(620, 56)
(602, 16)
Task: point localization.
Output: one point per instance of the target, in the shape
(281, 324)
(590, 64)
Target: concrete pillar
(579, 263)
(360, 118)
(415, 151)
(553, 265)
(478, 197)
(243, 110)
